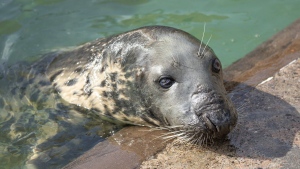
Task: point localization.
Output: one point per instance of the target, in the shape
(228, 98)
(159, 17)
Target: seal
(151, 76)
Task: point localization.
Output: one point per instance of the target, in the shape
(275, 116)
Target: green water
(236, 26)
(30, 28)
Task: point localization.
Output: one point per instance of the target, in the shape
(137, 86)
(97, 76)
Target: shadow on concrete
(266, 126)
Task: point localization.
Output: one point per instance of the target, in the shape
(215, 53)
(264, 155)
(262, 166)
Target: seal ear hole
(166, 82)
(216, 65)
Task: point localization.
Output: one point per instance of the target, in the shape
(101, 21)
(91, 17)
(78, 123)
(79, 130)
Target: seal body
(152, 76)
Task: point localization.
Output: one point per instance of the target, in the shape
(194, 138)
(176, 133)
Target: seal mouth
(211, 126)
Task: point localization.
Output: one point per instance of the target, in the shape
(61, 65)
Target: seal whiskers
(203, 34)
(202, 54)
(198, 53)
(184, 137)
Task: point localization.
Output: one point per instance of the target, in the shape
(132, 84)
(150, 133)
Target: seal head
(153, 76)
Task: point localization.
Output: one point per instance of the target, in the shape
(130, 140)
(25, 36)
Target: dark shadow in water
(73, 139)
(266, 127)
(31, 110)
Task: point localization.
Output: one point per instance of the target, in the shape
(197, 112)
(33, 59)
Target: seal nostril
(218, 128)
(209, 124)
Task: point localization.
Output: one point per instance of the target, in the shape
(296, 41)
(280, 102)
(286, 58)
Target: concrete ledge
(267, 58)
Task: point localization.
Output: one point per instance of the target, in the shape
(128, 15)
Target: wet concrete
(126, 149)
(265, 89)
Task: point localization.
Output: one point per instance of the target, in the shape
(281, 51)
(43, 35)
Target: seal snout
(213, 111)
(211, 125)
(217, 122)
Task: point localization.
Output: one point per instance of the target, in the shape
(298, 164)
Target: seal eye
(216, 66)
(166, 82)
